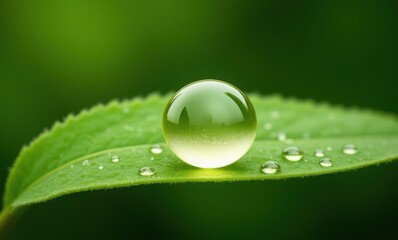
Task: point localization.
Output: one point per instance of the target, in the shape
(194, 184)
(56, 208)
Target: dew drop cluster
(295, 154)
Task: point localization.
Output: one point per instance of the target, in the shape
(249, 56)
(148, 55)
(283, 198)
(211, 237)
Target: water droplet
(350, 149)
(326, 162)
(209, 124)
(86, 162)
(147, 171)
(270, 167)
(72, 166)
(268, 126)
(156, 149)
(275, 114)
(281, 136)
(329, 148)
(152, 158)
(100, 167)
(292, 154)
(319, 153)
(115, 159)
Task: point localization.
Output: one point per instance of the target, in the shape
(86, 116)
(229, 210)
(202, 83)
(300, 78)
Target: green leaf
(53, 164)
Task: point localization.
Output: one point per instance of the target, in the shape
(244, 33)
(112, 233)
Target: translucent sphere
(209, 124)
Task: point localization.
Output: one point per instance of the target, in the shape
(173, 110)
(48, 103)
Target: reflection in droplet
(326, 162)
(350, 149)
(270, 167)
(319, 153)
(156, 149)
(292, 154)
(147, 171)
(115, 159)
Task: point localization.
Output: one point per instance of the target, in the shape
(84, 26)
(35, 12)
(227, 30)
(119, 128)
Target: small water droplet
(100, 167)
(329, 148)
(152, 158)
(147, 171)
(156, 149)
(115, 159)
(86, 162)
(319, 153)
(275, 114)
(270, 167)
(326, 162)
(72, 166)
(350, 149)
(268, 126)
(292, 154)
(282, 136)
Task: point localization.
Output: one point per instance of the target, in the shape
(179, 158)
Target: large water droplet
(292, 154)
(209, 124)
(156, 149)
(115, 159)
(350, 149)
(326, 162)
(86, 162)
(270, 167)
(319, 153)
(147, 171)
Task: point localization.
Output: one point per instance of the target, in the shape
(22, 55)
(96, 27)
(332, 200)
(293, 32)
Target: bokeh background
(58, 57)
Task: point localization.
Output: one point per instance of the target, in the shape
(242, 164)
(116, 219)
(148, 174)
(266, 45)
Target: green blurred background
(58, 57)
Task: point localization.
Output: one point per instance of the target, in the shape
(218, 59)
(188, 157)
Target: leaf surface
(77, 155)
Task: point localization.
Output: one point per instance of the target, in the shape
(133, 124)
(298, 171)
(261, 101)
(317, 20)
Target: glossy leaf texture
(76, 155)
